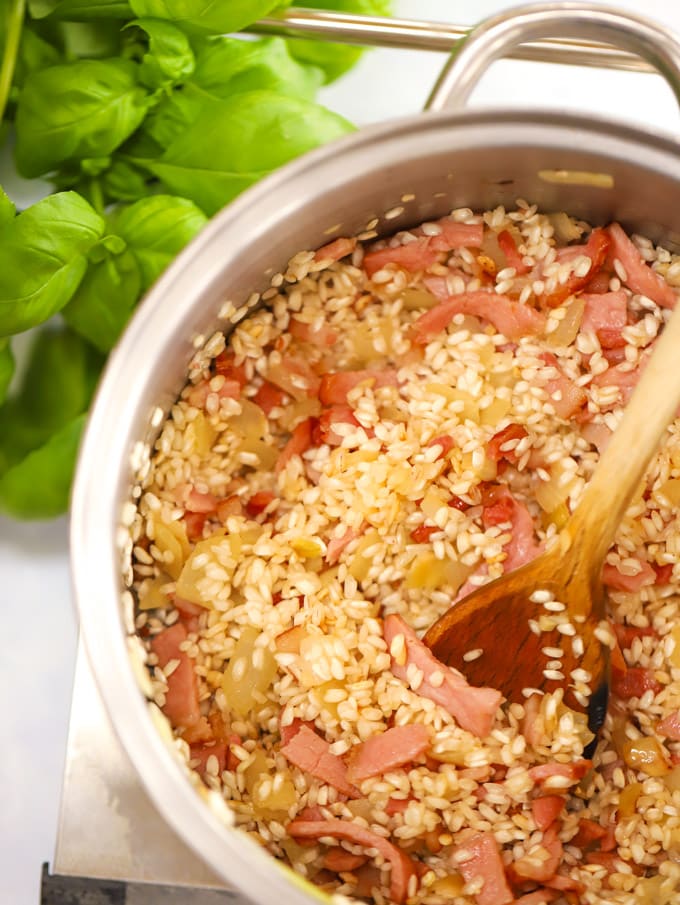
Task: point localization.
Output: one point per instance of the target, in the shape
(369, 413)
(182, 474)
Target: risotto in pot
(404, 420)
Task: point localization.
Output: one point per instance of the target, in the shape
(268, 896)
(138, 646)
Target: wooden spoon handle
(651, 408)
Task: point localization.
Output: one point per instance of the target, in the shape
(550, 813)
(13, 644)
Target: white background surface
(37, 644)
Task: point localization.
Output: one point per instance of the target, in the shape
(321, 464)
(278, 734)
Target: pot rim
(108, 442)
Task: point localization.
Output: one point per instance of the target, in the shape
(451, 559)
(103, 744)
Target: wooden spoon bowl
(562, 590)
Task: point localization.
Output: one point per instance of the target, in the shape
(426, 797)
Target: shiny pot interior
(398, 174)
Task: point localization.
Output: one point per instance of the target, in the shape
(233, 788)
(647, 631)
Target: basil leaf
(156, 229)
(169, 58)
(235, 142)
(34, 53)
(97, 39)
(334, 59)
(39, 485)
(206, 16)
(43, 259)
(105, 299)
(77, 110)
(6, 367)
(124, 182)
(59, 379)
(79, 10)
(7, 209)
(228, 66)
(57, 385)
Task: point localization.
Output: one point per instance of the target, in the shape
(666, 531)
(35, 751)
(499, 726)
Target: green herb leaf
(7, 209)
(6, 367)
(334, 59)
(169, 58)
(105, 299)
(79, 10)
(225, 67)
(77, 110)
(124, 182)
(39, 485)
(206, 16)
(43, 259)
(56, 385)
(235, 142)
(156, 229)
(34, 53)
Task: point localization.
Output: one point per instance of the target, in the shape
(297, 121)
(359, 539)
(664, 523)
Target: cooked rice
(268, 572)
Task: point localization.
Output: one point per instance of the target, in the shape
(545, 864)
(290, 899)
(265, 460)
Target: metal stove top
(113, 848)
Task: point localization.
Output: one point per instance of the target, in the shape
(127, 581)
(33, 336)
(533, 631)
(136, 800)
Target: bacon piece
(335, 250)
(269, 397)
(514, 259)
(537, 897)
(445, 442)
(194, 522)
(606, 314)
(633, 682)
(546, 810)
(499, 439)
(626, 634)
(340, 860)
(403, 868)
(335, 387)
(621, 376)
(225, 364)
(596, 249)
(415, 256)
(231, 505)
(300, 441)
(565, 884)
(425, 250)
(423, 533)
(191, 499)
(337, 544)
(541, 774)
(549, 851)
(522, 546)
(187, 608)
(485, 861)
(181, 699)
(198, 394)
(473, 708)
(670, 726)
(588, 832)
(396, 805)
(295, 376)
(317, 334)
(570, 396)
(391, 749)
(508, 317)
(664, 573)
(324, 430)
(259, 502)
(457, 235)
(640, 277)
(292, 729)
(620, 582)
(596, 433)
(201, 753)
(311, 753)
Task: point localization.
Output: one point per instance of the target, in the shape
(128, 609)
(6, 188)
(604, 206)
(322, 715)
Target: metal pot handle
(499, 35)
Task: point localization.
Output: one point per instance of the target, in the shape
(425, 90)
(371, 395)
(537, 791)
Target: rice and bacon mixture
(404, 420)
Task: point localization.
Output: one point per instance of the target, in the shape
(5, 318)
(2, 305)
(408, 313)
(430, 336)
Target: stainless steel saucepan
(398, 174)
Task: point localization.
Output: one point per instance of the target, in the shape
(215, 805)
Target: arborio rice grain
(405, 420)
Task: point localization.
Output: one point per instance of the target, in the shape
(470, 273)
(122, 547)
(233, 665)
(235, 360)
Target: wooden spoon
(503, 619)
